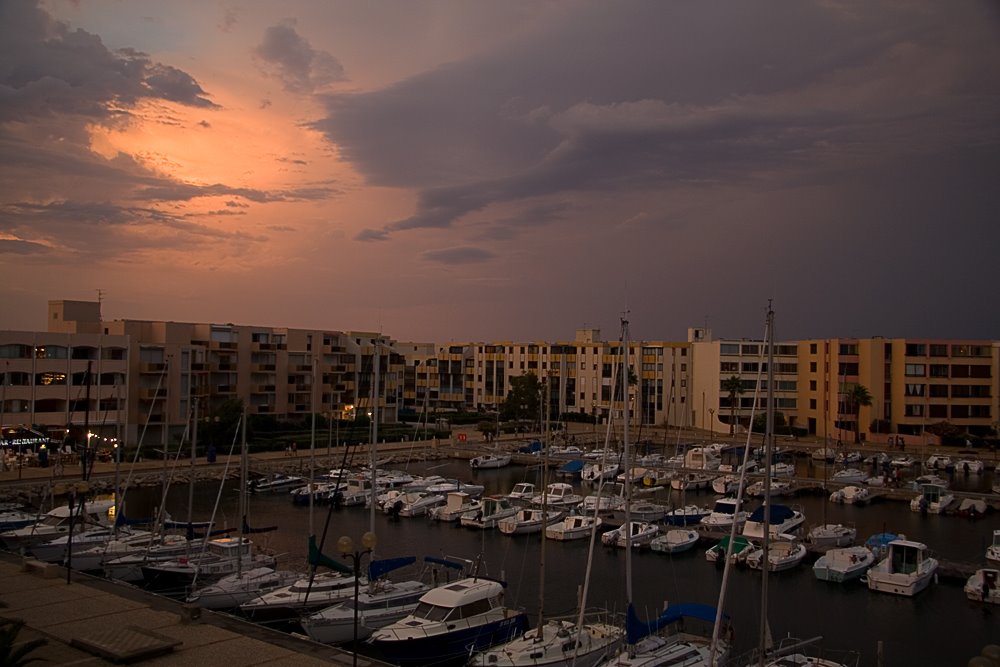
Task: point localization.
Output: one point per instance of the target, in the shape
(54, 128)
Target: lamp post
(711, 423)
(345, 545)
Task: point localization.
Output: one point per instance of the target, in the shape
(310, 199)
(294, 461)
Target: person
(295, 448)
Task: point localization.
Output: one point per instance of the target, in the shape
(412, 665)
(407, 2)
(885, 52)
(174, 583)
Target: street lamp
(711, 423)
(345, 545)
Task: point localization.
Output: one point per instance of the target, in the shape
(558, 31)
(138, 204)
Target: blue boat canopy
(377, 568)
(636, 629)
(779, 514)
(572, 466)
(445, 562)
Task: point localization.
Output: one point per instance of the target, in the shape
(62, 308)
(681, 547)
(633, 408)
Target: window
(915, 370)
(812, 403)
(938, 350)
(937, 411)
(848, 349)
(939, 370)
(938, 391)
(750, 367)
(812, 385)
(729, 367)
(847, 369)
(960, 412)
(812, 348)
(751, 349)
(812, 366)
(729, 348)
(14, 351)
(51, 352)
(913, 410)
(915, 390)
(916, 350)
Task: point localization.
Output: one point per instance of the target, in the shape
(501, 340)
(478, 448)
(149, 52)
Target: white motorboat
(906, 569)
(782, 469)
(12, 517)
(939, 462)
(723, 516)
(783, 519)
(490, 512)
(984, 586)
(573, 527)
(559, 495)
(275, 482)
(449, 485)
(456, 505)
(686, 516)
(644, 510)
(824, 454)
(742, 547)
(234, 589)
(415, 503)
(993, 551)
(522, 492)
(302, 596)
(530, 520)
(829, 535)
(56, 523)
(969, 467)
(358, 491)
(779, 487)
(781, 555)
(640, 534)
(845, 564)
(702, 458)
(492, 460)
(931, 478)
(593, 472)
(611, 499)
(451, 622)
(727, 485)
(657, 477)
(851, 495)
(933, 499)
(691, 481)
(377, 607)
(848, 476)
(675, 540)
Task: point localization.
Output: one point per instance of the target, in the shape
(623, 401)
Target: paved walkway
(94, 622)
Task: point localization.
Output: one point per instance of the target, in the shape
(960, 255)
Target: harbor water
(938, 627)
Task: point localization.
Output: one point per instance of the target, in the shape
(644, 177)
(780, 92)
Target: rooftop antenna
(100, 301)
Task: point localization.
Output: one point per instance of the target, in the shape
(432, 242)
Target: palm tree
(857, 396)
(734, 387)
(12, 652)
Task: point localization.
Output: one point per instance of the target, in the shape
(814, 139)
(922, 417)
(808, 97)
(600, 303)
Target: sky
(471, 170)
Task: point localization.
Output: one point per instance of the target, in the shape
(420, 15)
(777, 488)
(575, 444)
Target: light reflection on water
(938, 627)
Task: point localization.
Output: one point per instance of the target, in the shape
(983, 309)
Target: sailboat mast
(371, 455)
(628, 464)
(243, 491)
(312, 450)
(545, 505)
(768, 456)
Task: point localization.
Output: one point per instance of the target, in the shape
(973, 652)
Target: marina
(801, 605)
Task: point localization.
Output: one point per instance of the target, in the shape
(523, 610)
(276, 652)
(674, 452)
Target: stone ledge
(41, 568)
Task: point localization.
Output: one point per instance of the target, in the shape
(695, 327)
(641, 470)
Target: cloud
(459, 255)
(204, 123)
(229, 18)
(290, 58)
(808, 98)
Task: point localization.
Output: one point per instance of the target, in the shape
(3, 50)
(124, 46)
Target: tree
(734, 387)
(522, 401)
(12, 652)
(858, 396)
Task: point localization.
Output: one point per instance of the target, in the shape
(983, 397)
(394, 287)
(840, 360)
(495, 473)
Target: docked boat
(492, 460)
(522, 492)
(220, 557)
(96, 539)
(848, 476)
(456, 505)
(675, 540)
(702, 458)
(845, 564)
(673, 639)
(559, 495)
(126, 563)
(303, 596)
(783, 520)
(969, 466)
(415, 503)
(449, 485)
(529, 520)
(939, 462)
(933, 499)
(878, 543)
(13, 517)
(232, 590)
(723, 516)
(972, 508)
(691, 481)
(594, 472)
(931, 478)
(781, 555)
(984, 586)
(779, 487)
(686, 516)
(727, 485)
(993, 551)
(451, 622)
(274, 483)
(906, 569)
(573, 527)
(490, 512)
(827, 535)
(56, 523)
(851, 495)
(558, 643)
(376, 608)
(639, 535)
(741, 548)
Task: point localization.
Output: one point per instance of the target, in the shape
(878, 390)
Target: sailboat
(556, 642)
(661, 641)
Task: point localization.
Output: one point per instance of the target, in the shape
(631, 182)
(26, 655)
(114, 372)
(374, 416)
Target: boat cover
(377, 568)
(779, 514)
(573, 466)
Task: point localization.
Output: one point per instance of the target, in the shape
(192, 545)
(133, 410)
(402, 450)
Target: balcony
(262, 368)
(147, 367)
(152, 394)
(264, 388)
(225, 389)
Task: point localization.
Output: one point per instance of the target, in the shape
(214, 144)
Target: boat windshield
(432, 612)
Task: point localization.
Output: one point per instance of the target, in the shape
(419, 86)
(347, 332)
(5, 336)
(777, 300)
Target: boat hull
(452, 647)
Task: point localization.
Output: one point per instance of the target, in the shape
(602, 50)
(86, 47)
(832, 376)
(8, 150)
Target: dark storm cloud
(701, 95)
(292, 59)
(51, 69)
(460, 255)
